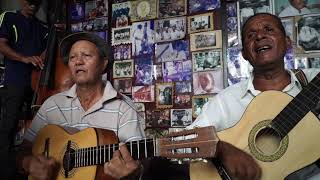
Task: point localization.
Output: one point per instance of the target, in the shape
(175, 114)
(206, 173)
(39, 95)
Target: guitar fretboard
(100, 154)
(305, 101)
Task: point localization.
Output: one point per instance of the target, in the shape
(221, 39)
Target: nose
(260, 35)
(78, 60)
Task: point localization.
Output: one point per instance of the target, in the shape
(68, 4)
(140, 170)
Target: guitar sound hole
(69, 160)
(267, 141)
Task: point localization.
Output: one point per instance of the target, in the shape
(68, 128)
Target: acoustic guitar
(279, 131)
(81, 155)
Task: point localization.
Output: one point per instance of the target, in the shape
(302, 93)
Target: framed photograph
(206, 60)
(249, 8)
(142, 38)
(289, 59)
(170, 29)
(284, 8)
(238, 67)
(123, 69)
(77, 27)
(203, 5)
(77, 11)
(120, 14)
(288, 24)
(90, 9)
(183, 87)
(301, 63)
(88, 25)
(205, 40)
(172, 51)
(181, 117)
(143, 71)
(169, 8)
(144, 10)
(207, 82)
(314, 62)
(123, 85)
(102, 8)
(197, 104)
(308, 35)
(143, 93)
(182, 101)
(122, 52)
(157, 72)
(231, 9)
(100, 24)
(121, 35)
(177, 71)
(102, 34)
(200, 22)
(140, 107)
(158, 119)
(164, 95)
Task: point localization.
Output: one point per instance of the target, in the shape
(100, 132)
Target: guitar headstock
(193, 143)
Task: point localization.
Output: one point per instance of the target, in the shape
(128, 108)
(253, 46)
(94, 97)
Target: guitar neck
(139, 149)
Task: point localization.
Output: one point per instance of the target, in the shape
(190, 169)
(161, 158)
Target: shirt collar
(248, 85)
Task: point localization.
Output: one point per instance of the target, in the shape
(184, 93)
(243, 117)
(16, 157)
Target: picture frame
(231, 9)
(143, 93)
(183, 87)
(289, 59)
(140, 107)
(205, 40)
(142, 38)
(121, 35)
(171, 8)
(301, 62)
(200, 22)
(207, 82)
(123, 86)
(88, 25)
(181, 117)
(314, 62)
(76, 27)
(238, 67)
(123, 69)
(206, 60)
(196, 6)
(283, 8)
(100, 24)
(289, 26)
(164, 95)
(143, 71)
(170, 29)
(158, 119)
(144, 10)
(102, 7)
(157, 73)
(197, 104)
(77, 12)
(122, 52)
(308, 33)
(121, 14)
(182, 101)
(177, 71)
(172, 51)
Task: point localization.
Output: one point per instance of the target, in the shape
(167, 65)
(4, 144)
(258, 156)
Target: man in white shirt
(295, 8)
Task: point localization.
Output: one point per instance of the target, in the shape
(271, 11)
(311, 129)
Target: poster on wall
(144, 10)
(308, 35)
(285, 8)
(120, 14)
(170, 8)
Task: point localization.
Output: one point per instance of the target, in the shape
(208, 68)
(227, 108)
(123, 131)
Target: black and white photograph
(231, 9)
(301, 62)
(200, 22)
(288, 24)
(314, 62)
(143, 10)
(120, 14)
(143, 71)
(157, 72)
(285, 8)
(142, 38)
(206, 60)
(197, 104)
(123, 85)
(172, 51)
(77, 11)
(177, 71)
(100, 24)
(77, 27)
(196, 6)
(121, 35)
(181, 117)
(122, 52)
(90, 9)
(102, 7)
(123, 69)
(170, 29)
(252, 7)
(207, 82)
(170, 8)
(308, 35)
(205, 40)
(183, 87)
(164, 95)
(289, 59)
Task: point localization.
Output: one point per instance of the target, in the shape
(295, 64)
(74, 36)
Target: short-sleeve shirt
(26, 36)
(110, 112)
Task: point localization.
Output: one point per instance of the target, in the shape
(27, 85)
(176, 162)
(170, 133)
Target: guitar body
(58, 140)
(277, 158)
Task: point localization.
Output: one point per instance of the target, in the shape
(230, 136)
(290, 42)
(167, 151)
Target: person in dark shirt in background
(22, 41)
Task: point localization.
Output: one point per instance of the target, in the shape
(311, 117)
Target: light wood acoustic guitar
(81, 155)
(279, 131)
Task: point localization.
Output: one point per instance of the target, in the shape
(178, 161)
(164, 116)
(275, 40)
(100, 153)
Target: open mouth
(263, 49)
(79, 71)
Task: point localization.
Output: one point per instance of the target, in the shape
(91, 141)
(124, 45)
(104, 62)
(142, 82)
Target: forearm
(23, 156)
(7, 51)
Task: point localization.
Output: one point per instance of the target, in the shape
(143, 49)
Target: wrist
(26, 164)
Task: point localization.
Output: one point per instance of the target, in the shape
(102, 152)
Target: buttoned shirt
(292, 11)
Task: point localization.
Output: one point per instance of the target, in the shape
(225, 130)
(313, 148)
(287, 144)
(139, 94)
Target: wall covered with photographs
(167, 57)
